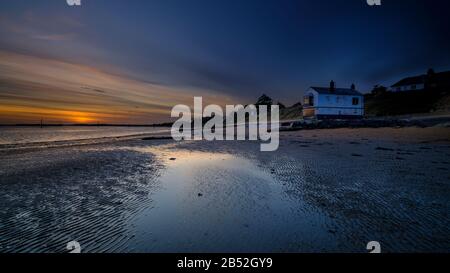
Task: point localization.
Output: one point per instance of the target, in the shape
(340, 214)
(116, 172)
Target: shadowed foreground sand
(322, 191)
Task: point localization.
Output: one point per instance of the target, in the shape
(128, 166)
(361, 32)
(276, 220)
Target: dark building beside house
(428, 81)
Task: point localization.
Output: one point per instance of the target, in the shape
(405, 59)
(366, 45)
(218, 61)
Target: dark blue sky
(237, 48)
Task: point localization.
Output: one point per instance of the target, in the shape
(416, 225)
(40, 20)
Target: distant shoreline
(421, 120)
(87, 125)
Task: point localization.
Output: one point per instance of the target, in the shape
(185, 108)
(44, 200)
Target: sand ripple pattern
(393, 191)
(87, 196)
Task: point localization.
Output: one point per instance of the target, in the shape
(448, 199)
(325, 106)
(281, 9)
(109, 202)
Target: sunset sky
(113, 61)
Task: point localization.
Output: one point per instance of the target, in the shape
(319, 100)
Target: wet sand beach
(322, 191)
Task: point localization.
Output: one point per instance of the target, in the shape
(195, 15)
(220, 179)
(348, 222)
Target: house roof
(410, 81)
(337, 91)
(440, 78)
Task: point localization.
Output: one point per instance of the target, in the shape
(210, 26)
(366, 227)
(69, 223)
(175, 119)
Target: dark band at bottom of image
(229, 262)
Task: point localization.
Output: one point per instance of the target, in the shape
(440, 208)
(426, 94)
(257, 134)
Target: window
(355, 101)
(308, 100)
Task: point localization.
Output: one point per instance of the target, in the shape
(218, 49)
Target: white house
(333, 103)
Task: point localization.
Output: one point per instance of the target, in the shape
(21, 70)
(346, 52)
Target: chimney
(332, 86)
(430, 81)
(353, 87)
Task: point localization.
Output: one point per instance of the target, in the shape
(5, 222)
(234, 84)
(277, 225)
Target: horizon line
(86, 124)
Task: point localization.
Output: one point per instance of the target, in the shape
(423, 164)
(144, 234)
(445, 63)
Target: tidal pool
(218, 202)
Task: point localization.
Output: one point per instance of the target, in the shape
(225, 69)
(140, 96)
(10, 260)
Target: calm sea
(26, 135)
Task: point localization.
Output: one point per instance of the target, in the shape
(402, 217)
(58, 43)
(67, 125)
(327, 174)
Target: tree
(378, 90)
(282, 106)
(264, 100)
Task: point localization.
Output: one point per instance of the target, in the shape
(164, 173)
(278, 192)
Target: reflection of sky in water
(220, 202)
